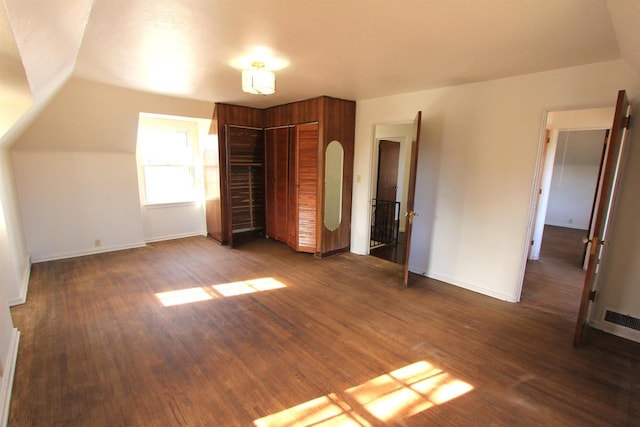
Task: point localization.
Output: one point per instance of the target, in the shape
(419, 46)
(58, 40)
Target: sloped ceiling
(355, 49)
(47, 36)
(15, 94)
(625, 16)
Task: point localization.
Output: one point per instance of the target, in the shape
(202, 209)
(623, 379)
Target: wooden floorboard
(338, 344)
(554, 282)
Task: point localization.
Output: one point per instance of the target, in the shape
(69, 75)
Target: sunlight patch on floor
(183, 296)
(204, 293)
(393, 396)
(248, 286)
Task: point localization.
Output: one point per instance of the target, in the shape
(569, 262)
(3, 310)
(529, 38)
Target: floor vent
(623, 320)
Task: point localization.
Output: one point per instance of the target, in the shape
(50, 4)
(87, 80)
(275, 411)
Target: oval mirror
(334, 159)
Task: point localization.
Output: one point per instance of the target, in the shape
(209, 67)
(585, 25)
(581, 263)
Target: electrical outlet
(97, 243)
(570, 220)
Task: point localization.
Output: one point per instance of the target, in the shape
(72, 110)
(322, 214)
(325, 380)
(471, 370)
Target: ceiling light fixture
(257, 80)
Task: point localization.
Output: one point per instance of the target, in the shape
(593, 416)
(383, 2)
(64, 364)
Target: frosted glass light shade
(258, 81)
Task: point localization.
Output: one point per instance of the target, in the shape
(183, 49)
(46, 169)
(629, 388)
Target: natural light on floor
(393, 396)
(203, 293)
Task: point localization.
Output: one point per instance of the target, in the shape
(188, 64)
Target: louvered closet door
(277, 176)
(246, 178)
(306, 170)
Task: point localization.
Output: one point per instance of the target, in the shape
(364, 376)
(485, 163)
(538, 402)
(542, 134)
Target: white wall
(164, 222)
(14, 276)
(477, 167)
(575, 177)
(76, 171)
(16, 258)
(70, 200)
(571, 198)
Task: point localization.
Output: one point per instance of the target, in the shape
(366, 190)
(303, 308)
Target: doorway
(392, 155)
(572, 157)
(386, 239)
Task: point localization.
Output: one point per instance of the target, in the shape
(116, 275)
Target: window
(165, 155)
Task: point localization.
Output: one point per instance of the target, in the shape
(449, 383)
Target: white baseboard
(173, 237)
(467, 286)
(26, 274)
(6, 382)
(621, 331)
(88, 252)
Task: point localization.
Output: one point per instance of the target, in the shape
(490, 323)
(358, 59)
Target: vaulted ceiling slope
(355, 49)
(43, 45)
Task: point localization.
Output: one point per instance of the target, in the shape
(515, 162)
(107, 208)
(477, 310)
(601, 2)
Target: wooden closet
(292, 190)
(234, 172)
(288, 203)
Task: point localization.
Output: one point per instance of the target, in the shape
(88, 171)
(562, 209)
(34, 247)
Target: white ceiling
(355, 49)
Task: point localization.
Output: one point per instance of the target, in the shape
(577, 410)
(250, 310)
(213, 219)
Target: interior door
(388, 157)
(411, 192)
(613, 160)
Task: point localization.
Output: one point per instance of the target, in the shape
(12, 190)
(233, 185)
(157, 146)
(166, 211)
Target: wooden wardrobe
(287, 202)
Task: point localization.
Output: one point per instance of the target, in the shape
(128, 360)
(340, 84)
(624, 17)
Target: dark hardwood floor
(111, 340)
(554, 282)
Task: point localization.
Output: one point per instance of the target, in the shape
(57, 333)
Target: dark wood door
(277, 179)
(411, 192)
(306, 188)
(615, 152)
(388, 157)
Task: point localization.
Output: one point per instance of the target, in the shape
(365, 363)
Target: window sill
(169, 205)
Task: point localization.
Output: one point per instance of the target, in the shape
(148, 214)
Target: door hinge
(532, 243)
(592, 296)
(627, 122)
(540, 191)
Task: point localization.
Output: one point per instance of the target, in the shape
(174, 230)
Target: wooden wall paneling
(212, 184)
(271, 210)
(320, 154)
(212, 193)
(293, 113)
(307, 186)
(277, 185)
(282, 182)
(241, 116)
(292, 186)
(338, 123)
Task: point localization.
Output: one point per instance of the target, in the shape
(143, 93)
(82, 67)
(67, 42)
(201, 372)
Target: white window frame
(160, 123)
